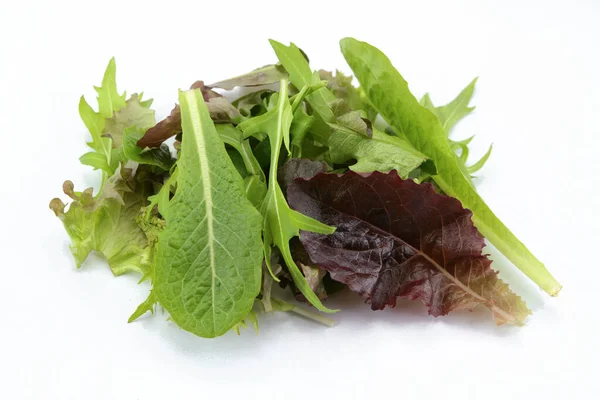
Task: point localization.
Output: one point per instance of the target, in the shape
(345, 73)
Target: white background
(63, 332)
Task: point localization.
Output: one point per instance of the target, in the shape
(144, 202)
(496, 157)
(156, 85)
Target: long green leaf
(389, 94)
(208, 265)
(281, 223)
(301, 75)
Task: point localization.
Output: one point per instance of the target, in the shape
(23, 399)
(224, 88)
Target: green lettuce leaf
(109, 101)
(350, 120)
(108, 224)
(342, 88)
(117, 118)
(208, 261)
(388, 92)
(381, 153)
(134, 114)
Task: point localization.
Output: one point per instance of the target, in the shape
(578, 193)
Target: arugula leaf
(301, 125)
(107, 224)
(388, 92)
(398, 238)
(254, 103)
(471, 169)
(302, 122)
(449, 115)
(380, 153)
(301, 75)
(280, 222)
(208, 261)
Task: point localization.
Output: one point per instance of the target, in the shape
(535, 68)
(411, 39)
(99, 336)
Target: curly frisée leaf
(107, 224)
(396, 238)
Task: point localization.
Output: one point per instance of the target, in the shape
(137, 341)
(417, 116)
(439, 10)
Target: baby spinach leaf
(396, 238)
(208, 261)
(388, 92)
(280, 222)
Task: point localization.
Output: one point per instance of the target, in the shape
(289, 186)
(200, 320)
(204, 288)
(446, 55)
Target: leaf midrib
(206, 189)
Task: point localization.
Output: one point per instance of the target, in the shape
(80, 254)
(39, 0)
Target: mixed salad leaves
(316, 186)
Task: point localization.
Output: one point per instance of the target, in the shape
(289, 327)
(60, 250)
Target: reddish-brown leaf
(219, 108)
(396, 238)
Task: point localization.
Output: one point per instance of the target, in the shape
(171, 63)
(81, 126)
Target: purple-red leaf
(219, 108)
(396, 238)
